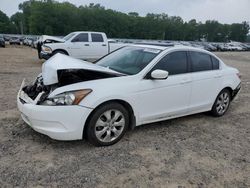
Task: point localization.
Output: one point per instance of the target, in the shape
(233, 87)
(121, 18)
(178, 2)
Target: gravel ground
(194, 151)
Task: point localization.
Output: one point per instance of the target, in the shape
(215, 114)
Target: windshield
(69, 36)
(129, 60)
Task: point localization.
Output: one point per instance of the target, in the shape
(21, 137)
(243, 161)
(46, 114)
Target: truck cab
(82, 45)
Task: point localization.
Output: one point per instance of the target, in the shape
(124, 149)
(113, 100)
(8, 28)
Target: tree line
(55, 18)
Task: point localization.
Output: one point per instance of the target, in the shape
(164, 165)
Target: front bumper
(44, 55)
(57, 122)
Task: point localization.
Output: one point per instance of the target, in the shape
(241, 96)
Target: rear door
(206, 80)
(98, 46)
(79, 47)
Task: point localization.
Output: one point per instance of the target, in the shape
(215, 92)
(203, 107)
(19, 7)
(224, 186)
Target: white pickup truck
(82, 45)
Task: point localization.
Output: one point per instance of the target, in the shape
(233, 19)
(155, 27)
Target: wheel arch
(125, 104)
(229, 88)
(58, 50)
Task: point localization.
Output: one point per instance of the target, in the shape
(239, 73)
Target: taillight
(239, 75)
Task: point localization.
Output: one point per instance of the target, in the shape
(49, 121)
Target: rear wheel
(107, 125)
(221, 103)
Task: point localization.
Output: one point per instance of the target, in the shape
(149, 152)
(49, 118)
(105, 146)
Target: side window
(200, 61)
(174, 63)
(82, 37)
(216, 63)
(96, 37)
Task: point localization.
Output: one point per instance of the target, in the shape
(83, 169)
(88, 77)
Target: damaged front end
(36, 92)
(61, 71)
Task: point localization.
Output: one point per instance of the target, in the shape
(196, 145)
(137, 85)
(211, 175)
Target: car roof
(172, 47)
(151, 46)
(78, 32)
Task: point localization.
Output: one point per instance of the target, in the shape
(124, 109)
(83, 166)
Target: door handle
(104, 45)
(86, 44)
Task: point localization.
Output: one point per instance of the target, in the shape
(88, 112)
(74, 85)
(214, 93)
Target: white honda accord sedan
(134, 85)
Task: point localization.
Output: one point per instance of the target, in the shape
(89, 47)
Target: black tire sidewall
(94, 117)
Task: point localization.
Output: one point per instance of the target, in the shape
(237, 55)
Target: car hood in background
(45, 38)
(60, 63)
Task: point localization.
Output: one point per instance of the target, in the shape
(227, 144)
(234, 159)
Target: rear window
(97, 37)
(216, 63)
(200, 61)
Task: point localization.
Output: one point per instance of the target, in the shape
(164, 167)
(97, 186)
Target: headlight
(46, 49)
(67, 98)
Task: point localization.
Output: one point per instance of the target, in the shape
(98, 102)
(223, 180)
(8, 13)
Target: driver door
(80, 46)
(162, 99)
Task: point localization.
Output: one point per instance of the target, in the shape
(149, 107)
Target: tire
(221, 103)
(105, 122)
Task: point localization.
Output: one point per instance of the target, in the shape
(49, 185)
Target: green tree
(238, 32)
(5, 25)
(18, 22)
(55, 18)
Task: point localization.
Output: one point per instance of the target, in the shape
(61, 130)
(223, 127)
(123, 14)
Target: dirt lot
(195, 151)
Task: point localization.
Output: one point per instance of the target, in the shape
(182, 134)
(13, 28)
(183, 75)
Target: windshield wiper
(115, 70)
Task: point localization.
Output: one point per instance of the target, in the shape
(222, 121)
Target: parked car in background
(25, 41)
(197, 45)
(29, 42)
(15, 40)
(132, 86)
(246, 46)
(233, 47)
(6, 38)
(82, 45)
(22, 39)
(34, 42)
(209, 47)
(221, 47)
(2, 41)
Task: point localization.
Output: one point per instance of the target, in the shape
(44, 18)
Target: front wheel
(221, 103)
(107, 125)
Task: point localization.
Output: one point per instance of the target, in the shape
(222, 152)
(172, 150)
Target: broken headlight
(67, 98)
(46, 49)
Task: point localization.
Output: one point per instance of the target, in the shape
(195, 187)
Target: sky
(225, 11)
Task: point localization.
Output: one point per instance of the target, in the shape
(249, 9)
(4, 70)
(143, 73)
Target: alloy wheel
(109, 125)
(222, 103)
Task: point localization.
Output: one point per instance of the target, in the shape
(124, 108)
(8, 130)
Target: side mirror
(159, 74)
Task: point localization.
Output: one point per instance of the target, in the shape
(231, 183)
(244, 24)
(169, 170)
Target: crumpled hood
(63, 62)
(43, 38)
